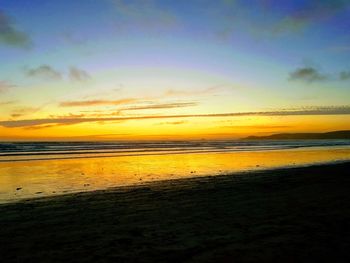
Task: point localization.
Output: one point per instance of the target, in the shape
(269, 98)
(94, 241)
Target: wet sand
(31, 179)
(285, 215)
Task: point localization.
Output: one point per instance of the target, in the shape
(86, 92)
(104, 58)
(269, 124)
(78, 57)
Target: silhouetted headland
(303, 136)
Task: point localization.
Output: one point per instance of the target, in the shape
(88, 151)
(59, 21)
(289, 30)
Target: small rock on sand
(18, 188)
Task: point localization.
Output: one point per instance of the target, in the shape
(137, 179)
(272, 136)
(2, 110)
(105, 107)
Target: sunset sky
(186, 69)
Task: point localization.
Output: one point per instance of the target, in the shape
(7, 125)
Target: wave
(30, 151)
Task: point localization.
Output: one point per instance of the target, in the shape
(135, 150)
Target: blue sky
(251, 55)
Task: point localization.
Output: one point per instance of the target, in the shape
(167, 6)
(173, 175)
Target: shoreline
(176, 181)
(180, 152)
(293, 214)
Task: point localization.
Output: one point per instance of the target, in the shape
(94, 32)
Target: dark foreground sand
(290, 215)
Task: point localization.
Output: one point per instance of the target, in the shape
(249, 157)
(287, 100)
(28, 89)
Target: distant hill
(302, 136)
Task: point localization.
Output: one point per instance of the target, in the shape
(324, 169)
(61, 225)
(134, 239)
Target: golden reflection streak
(52, 177)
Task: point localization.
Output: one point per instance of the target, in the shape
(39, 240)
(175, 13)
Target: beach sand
(285, 215)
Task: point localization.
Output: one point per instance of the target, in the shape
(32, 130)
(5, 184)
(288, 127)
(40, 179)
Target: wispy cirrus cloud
(154, 106)
(141, 105)
(23, 111)
(86, 103)
(10, 35)
(49, 126)
(44, 71)
(318, 110)
(70, 115)
(172, 123)
(120, 111)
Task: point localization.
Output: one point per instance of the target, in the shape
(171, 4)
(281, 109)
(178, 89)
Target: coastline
(290, 214)
(36, 179)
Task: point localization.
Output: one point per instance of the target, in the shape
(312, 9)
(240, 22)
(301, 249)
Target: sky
(161, 69)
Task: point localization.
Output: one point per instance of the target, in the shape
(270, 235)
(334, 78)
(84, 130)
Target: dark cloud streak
(311, 74)
(76, 74)
(161, 106)
(307, 74)
(44, 71)
(310, 12)
(85, 103)
(329, 110)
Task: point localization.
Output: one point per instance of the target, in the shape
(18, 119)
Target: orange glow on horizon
(181, 129)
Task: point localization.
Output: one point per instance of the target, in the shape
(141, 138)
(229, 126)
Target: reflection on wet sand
(52, 177)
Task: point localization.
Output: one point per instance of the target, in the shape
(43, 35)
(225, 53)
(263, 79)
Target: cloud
(22, 111)
(84, 103)
(76, 74)
(307, 74)
(271, 18)
(5, 86)
(172, 123)
(318, 10)
(47, 72)
(10, 35)
(323, 110)
(308, 13)
(310, 74)
(120, 111)
(311, 12)
(344, 75)
(161, 106)
(70, 115)
(48, 126)
(148, 106)
(44, 71)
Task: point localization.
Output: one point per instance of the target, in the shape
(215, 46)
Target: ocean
(31, 151)
(38, 169)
